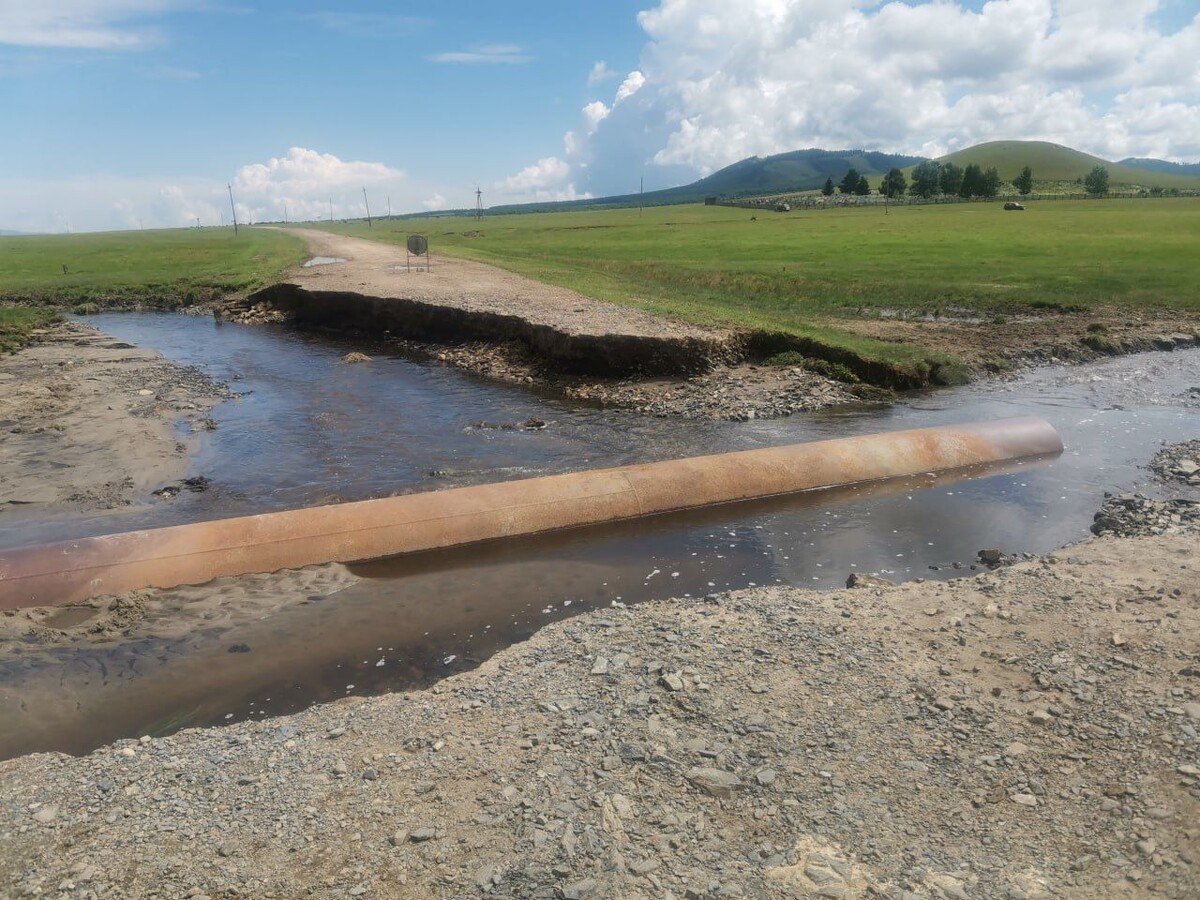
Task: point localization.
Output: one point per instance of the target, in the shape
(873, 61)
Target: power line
(478, 203)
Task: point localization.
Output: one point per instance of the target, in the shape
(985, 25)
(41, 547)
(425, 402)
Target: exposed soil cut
(1006, 343)
(459, 300)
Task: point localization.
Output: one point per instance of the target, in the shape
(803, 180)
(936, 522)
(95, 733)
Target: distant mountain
(1161, 165)
(806, 170)
(5, 232)
(1054, 162)
(798, 170)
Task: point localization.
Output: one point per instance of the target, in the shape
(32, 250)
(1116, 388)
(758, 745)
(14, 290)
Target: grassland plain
(167, 268)
(840, 277)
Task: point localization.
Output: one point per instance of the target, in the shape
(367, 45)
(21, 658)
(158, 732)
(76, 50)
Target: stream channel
(307, 429)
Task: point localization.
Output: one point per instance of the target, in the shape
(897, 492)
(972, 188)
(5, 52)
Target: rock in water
(356, 357)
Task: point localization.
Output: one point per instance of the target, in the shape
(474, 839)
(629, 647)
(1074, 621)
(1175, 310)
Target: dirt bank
(1029, 732)
(455, 299)
(90, 423)
(509, 328)
(1003, 344)
(503, 326)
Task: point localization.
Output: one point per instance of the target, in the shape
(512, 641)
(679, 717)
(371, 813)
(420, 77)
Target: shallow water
(308, 429)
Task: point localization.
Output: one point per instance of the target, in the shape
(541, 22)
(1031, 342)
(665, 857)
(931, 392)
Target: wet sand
(89, 423)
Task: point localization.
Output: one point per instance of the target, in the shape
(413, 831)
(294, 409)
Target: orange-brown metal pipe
(193, 554)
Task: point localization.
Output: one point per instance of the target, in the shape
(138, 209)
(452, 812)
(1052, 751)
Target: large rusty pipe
(348, 532)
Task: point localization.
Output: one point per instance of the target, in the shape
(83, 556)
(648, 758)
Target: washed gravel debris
(1135, 514)
(1178, 463)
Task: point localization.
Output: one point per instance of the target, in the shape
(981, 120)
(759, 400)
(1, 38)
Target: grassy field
(16, 323)
(168, 268)
(801, 272)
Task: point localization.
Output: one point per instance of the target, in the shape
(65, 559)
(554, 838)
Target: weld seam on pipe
(195, 553)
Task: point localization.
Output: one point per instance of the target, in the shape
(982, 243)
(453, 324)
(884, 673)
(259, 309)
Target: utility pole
(233, 208)
(389, 206)
(478, 204)
(330, 210)
(641, 191)
(368, 205)
(285, 214)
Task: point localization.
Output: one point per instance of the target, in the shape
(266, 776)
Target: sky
(139, 113)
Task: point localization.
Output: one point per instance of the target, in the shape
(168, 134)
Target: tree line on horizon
(931, 178)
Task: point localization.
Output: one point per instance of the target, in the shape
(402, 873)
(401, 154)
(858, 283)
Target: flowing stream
(307, 429)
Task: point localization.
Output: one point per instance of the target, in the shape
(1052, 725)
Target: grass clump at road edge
(17, 324)
(166, 269)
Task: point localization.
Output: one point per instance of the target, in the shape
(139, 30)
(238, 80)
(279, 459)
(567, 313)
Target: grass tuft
(17, 324)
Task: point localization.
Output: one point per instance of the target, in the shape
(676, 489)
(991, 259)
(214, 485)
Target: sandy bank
(90, 423)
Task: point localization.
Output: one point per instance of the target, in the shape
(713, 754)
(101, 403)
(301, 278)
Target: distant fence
(841, 201)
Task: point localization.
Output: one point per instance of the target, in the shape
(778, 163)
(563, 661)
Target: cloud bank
(718, 82)
(304, 182)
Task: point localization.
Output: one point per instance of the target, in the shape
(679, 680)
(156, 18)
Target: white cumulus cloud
(718, 82)
(595, 113)
(547, 179)
(631, 85)
(303, 183)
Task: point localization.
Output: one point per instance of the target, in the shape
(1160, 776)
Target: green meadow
(801, 272)
(164, 268)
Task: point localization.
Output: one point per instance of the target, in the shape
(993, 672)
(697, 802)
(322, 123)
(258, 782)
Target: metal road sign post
(418, 246)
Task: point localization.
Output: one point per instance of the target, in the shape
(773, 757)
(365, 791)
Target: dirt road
(378, 269)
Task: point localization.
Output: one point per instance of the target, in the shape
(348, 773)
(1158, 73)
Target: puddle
(349, 432)
(324, 261)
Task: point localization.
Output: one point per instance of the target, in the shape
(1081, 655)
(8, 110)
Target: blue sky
(125, 111)
(211, 90)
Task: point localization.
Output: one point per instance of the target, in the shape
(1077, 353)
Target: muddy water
(308, 429)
